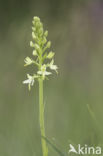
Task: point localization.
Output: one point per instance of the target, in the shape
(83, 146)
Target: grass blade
(54, 147)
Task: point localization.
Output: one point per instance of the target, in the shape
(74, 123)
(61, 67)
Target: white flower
(29, 81)
(43, 71)
(28, 61)
(52, 66)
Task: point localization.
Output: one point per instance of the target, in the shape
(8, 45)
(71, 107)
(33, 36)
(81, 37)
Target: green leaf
(53, 146)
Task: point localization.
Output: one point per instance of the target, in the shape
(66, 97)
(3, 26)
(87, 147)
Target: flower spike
(40, 52)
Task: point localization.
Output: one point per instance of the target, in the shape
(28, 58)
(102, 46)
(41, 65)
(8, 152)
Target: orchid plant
(41, 55)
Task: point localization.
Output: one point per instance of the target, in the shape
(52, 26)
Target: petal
(53, 67)
(40, 72)
(29, 76)
(47, 73)
(26, 81)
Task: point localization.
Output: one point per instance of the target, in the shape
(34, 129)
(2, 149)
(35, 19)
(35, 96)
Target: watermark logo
(84, 149)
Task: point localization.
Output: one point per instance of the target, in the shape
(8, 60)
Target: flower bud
(36, 19)
(44, 40)
(46, 33)
(38, 25)
(33, 35)
(48, 44)
(31, 44)
(41, 25)
(50, 55)
(34, 52)
(34, 29)
(41, 31)
(37, 47)
(33, 22)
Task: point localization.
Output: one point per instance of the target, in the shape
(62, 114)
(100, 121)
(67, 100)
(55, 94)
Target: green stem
(41, 117)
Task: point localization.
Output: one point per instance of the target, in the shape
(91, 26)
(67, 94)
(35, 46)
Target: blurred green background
(76, 31)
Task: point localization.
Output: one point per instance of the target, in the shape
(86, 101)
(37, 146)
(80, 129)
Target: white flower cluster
(40, 53)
